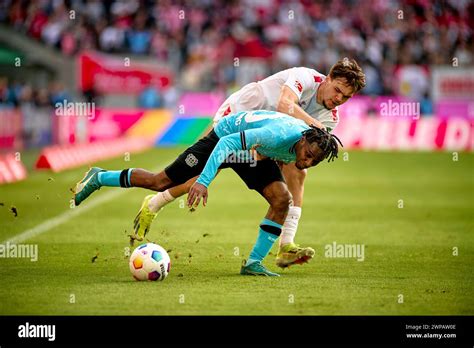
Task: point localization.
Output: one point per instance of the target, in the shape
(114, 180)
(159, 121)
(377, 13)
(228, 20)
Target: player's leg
(161, 199)
(290, 253)
(294, 177)
(265, 178)
(279, 198)
(96, 178)
(153, 204)
(189, 164)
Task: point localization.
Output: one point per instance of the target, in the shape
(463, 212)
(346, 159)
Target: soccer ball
(150, 262)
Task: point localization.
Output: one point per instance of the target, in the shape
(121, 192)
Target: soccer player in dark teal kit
(270, 136)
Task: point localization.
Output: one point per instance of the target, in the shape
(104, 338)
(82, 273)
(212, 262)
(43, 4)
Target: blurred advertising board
(380, 123)
(106, 74)
(455, 108)
(11, 168)
(199, 104)
(110, 123)
(11, 129)
(424, 134)
(449, 82)
(386, 123)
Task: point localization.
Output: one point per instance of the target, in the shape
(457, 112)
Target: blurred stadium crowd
(204, 40)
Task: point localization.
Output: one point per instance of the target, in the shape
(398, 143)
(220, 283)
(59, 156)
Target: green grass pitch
(423, 251)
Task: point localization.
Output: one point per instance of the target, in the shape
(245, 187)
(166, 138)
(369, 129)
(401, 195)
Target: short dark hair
(326, 141)
(349, 70)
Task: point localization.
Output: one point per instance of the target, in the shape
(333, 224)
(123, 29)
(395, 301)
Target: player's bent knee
(160, 181)
(299, 175)
(278, 195)
(294, 176)
(282, 201)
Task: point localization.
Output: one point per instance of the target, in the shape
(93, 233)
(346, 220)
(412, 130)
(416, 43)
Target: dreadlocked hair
(326, 141)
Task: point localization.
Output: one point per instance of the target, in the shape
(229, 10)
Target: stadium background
(152, 74)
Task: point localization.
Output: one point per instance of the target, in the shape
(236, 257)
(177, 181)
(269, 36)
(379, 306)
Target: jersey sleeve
(299, 80)
(232, 144)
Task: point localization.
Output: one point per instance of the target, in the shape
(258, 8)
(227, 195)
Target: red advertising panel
(11, 169)
(10, 129)
(107, 74)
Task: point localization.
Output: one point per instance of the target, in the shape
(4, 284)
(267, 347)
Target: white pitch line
(61, 218)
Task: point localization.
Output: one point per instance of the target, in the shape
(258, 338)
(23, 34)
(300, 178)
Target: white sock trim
(160, 200)
(290, 226)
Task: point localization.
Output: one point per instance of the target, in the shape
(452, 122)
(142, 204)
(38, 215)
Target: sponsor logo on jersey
(334, 114)
(191, 160)
(227, 111)
(318, 79)
(299, 86)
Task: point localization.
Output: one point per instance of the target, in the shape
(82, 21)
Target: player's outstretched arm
(224, 148)
(288, 104)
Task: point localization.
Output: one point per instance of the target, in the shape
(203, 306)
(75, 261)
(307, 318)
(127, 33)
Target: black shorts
(192, 161)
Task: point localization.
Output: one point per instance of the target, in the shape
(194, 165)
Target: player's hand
(318, 124)
(195, 194)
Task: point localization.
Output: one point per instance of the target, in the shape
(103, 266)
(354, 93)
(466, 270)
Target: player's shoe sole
(256, 269)
(87, 185)
(293, 254)
(142, 222)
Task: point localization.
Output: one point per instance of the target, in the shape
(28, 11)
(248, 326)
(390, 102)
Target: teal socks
(115, 178)
(267, 235)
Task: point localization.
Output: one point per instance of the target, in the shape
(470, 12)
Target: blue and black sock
(115, 178)
(267, 235)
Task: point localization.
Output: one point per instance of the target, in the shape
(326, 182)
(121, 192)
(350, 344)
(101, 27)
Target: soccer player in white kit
(302, 93)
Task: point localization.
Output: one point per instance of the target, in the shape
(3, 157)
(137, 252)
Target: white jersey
(264, 95)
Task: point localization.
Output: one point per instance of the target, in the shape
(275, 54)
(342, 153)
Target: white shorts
(249, 97)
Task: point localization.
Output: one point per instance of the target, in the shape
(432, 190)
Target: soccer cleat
(143, 220)
(293, 254)
(87, 185)
(256, 268)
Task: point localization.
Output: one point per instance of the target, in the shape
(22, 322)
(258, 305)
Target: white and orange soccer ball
(150, 262)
